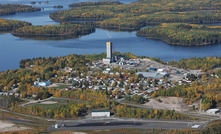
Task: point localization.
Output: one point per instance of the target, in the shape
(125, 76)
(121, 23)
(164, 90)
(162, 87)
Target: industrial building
(100, 113)
(109, 57)
(153, 74)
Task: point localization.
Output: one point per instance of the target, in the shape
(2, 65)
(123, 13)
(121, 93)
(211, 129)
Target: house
(100, 113)
(44, 84)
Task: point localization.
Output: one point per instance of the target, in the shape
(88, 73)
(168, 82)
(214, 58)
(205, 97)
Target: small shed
(100, 113)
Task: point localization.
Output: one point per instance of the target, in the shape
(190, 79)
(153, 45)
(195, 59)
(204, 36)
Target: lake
(13, 49)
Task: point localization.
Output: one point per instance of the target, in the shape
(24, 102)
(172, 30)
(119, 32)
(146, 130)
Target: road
(117, 123)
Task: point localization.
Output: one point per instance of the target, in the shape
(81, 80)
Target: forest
(8, 25)
(183, 34)
(138, 14)
(6, 9)
(205, 63)
(94, 3)
(67, 31)
(131, 112)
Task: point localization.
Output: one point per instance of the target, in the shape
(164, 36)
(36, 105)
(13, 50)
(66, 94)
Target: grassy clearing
(46, 106)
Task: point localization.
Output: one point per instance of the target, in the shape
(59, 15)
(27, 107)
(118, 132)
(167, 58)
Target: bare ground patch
(48, 102)
(170, 103)
(8, 126)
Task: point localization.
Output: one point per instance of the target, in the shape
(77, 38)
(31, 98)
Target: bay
(13, 49)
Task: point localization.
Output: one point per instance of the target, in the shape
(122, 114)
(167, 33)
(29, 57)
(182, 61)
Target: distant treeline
(94, 3)
(69, 31)
(204, 63)
(138, 14)
(7, 25)
(184, 34)
(7, 9)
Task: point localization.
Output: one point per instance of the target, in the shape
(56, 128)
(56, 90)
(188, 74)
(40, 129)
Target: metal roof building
(152, 74)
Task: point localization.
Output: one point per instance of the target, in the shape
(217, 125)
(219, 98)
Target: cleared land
(170, 103)
(8, 126)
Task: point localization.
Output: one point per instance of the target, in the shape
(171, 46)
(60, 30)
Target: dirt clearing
(170, 103)
(8, 126)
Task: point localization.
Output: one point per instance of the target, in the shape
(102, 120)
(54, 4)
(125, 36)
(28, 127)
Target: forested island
(94, 3)
(6, 9)
(183, 34)
(138, 14)
(7, 25)
(54, 31)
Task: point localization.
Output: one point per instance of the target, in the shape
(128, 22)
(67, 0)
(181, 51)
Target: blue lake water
(13, 49)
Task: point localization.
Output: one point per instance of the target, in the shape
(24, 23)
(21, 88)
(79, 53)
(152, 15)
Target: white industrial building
(213, 111)
(100, 113)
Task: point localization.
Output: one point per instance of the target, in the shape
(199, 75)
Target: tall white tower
(109, 49)
(108, 59)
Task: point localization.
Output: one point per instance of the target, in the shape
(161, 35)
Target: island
(8, 25)
(6, 9)
(94, 3)
(143, 12)
(183, 34)
(134, 16)
(54, 32)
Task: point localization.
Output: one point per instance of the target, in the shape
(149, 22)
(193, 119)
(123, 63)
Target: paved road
(116, 123)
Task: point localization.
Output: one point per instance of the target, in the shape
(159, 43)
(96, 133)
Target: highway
(117, 123)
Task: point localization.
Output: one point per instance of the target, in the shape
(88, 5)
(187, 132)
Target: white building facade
(100, 113)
